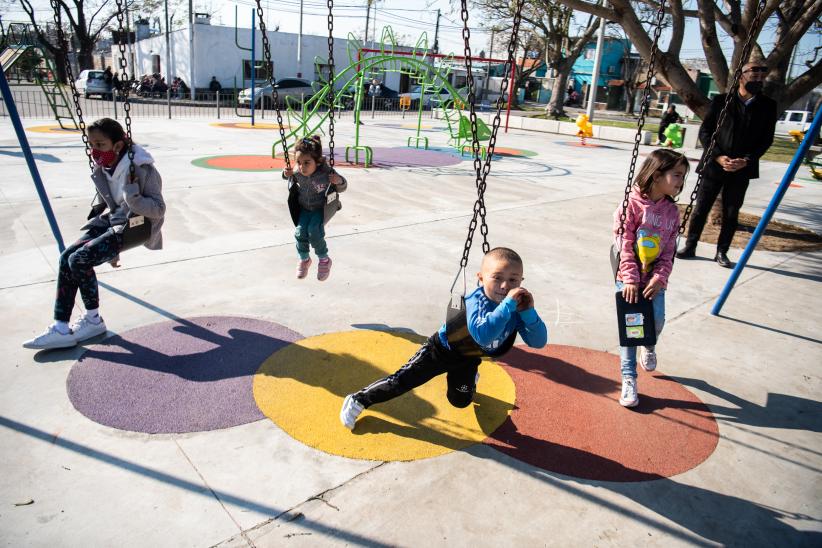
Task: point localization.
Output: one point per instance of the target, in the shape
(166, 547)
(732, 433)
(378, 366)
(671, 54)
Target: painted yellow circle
(51, 129)
(301, 388)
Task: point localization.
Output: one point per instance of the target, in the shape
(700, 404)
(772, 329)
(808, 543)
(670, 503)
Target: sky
(408, 18)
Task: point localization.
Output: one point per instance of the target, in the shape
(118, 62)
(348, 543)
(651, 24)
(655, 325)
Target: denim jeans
(310, 230)
(627, 354)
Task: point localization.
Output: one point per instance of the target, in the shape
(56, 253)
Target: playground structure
(17, 47)
(430, 71)
(586, 128)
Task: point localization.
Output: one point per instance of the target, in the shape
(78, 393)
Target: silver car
(93, 82)
(297, 88)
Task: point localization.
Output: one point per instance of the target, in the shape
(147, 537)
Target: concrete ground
(396, 246)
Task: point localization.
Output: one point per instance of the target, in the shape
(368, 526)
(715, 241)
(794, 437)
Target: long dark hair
(312, 146)
(660, 160)
(110, 128)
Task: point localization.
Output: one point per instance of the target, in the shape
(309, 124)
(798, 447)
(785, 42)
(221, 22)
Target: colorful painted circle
(52, 129)
(568, 418)
(319, 371)
(383, 157)
(186, 375)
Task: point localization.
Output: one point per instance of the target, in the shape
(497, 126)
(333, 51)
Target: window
(783, 116)
(589, 53)
(796, 116)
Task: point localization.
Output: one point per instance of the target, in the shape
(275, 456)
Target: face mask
(753, 87)
(104, 158)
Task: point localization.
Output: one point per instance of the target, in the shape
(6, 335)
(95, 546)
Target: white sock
(62, 327)
(93, 315)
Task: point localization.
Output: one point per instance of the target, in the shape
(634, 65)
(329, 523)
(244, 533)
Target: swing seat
(136, 232)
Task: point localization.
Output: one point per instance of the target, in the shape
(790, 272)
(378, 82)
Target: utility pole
(437, 34)
(300, 43)
(191, 49)
(168, 47)
(367, 15)
(592, 87)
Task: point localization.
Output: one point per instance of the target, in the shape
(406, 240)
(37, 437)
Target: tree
(551, 25)
(789, 19)
(85, 23)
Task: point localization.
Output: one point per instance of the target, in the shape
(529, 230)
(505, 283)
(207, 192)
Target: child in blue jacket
(494, 313)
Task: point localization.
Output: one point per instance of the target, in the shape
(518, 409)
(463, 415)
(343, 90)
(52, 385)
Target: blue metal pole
(810, 136)
(24, 144)
(253, 62)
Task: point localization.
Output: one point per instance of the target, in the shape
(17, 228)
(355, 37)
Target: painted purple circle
(407, 157)
(186, 375)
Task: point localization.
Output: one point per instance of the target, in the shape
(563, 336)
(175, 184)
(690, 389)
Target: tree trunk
(554, 107)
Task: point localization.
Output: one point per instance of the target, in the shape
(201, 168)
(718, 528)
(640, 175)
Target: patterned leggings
(77, 262)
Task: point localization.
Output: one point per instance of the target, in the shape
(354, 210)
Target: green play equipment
(459, 129)
(430, 71)
(21, 55)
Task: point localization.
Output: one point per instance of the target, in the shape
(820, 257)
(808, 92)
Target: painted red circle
(567, 418)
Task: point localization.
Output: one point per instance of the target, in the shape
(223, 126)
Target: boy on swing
(494, 313)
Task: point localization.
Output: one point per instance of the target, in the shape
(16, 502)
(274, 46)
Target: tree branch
(678, 30)
(593, 9)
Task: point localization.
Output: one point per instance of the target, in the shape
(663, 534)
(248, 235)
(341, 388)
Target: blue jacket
(490, 323)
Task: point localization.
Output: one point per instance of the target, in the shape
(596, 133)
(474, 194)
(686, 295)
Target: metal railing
(32, 103)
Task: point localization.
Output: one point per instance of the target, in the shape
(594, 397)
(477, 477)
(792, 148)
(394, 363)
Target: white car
(297, 88)
(799, 120)
(93, 82)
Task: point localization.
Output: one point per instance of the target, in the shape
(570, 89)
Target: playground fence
(31, 103)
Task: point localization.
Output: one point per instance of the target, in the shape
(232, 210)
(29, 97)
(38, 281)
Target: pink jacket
(649, 240)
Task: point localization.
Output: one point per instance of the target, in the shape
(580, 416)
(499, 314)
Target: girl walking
(647, 249)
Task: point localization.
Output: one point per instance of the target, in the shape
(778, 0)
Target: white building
(215, 53)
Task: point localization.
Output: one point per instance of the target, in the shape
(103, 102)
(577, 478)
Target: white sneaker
(628, 398)
(647, 359)
(351, 409)
(85, 328)
(51, 338)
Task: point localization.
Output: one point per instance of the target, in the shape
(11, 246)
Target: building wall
(216, 54)
(613, 51)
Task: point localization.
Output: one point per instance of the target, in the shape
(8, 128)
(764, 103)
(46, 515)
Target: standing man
(670, 117)
(746, 134)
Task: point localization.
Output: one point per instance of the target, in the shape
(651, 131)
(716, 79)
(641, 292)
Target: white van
(790, 120)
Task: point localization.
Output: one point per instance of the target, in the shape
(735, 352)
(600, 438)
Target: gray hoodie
(143, 196)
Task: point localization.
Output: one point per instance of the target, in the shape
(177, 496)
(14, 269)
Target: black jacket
(746, 132)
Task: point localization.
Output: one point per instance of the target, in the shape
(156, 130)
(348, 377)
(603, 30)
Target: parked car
(387, 98)
(286, 87)
(93, 82)
(798, 120)
(432, 95)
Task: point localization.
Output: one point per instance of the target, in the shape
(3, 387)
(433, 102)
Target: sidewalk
(229, 260)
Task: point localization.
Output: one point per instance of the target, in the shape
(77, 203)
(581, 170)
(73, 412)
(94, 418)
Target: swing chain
(126, 105)
(643, 109)
(331, 83)
(61, 39)
(269, 67)
(483, 171)
(743, 59)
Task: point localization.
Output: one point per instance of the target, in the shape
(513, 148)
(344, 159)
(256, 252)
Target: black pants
(733, 195)
(431, 359)
(77, 262)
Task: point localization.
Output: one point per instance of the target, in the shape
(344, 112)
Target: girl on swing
(103, 239)
(647, 249)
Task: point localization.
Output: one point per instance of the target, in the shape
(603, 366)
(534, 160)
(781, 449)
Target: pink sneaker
(302, 268)
(324, 269)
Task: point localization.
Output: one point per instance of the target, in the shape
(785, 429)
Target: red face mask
(104, 158)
